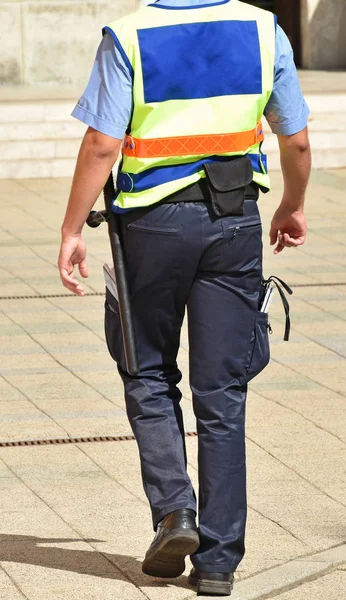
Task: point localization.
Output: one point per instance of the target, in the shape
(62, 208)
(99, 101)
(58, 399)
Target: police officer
(187, 83)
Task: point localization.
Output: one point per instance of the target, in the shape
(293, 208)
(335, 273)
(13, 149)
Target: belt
(199, 192)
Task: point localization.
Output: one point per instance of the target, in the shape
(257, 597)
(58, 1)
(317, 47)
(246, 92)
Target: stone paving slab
(331, 586)
(266, 584)
(8, 588)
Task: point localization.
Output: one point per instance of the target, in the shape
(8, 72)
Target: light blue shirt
(106, 104)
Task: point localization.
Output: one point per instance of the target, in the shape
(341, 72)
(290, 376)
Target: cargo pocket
(113, 332)
(259, 353)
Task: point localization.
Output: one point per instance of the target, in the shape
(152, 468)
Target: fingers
(273, 235)
(280, 245)
(286, 241)
(70, 282)
(291, 242)
(83, 269)
(72, 252)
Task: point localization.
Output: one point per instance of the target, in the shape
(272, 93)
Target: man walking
(187, 83)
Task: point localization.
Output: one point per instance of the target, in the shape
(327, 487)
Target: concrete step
(327, 138)
(39, 138)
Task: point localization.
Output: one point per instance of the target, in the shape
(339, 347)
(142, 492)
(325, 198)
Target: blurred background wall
(316, 29)
(50, 41)
(54, 41)
(323, 34)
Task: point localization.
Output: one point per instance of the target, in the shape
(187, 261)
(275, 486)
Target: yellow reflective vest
(202, 77)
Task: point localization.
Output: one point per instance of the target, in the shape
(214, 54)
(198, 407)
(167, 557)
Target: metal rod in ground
(114, 231)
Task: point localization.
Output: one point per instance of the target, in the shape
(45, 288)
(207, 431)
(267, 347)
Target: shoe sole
(209, 587)
(168, 560)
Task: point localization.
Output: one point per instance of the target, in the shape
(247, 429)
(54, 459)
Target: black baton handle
(96, 217)
(114, 231)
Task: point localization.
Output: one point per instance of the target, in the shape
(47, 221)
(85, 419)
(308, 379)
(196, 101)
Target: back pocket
(241, 248)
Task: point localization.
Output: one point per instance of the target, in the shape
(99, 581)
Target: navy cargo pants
(181, 255)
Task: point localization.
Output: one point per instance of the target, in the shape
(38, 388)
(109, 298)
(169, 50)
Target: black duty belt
(199, 192)
(226, 185)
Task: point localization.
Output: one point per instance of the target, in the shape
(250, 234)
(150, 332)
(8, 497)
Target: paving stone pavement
(75, 522)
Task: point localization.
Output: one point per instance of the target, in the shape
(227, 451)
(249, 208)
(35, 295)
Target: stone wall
(53, 42)
(323, 34)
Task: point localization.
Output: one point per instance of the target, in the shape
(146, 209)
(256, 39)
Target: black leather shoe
(212, 584)
(176, 537)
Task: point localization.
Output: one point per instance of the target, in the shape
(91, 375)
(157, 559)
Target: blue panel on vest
(130, 182)
(200, 60)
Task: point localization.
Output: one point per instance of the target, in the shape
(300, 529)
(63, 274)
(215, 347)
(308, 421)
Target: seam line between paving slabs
(266, 596)
(106, 398)
(274, 592)
(322, 259)
(33, 403)
(112, 477)
(73, 373)
(322, 309)
(95, 293)
(280, 526)
(63, 310)
(308, 557)
(29, 248)
(269, 519)
(71, 316)
(42, 197)
(271, 583)
(48, 262)
(92, 387)
(76, 531)
(14, 583)
(291, 368)
(319, 343)
(296, 473)
(326, 387)
(261, 394)
(193, 434)
(327, 565)
(59, 308)
(20, 278)
(45, 196)
(329, 239)
(296, 412)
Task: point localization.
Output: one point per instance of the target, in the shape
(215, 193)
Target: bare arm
(288, 227)
(97, 155)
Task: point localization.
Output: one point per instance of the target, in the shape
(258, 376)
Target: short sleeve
(286, 111)
(106, 104)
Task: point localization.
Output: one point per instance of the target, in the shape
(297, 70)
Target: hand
(72, 252)
(288, 229)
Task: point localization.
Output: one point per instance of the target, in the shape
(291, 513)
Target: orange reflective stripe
(189, 145)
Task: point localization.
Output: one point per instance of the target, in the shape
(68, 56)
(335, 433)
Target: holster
(227, 182)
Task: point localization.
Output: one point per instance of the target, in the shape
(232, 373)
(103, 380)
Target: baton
(94, 220)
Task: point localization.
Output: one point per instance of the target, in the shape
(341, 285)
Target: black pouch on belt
(227, 182)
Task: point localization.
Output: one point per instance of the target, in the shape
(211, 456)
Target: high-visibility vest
(202, 77)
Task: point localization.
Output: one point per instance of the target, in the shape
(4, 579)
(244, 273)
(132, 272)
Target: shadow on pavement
(34, 551)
